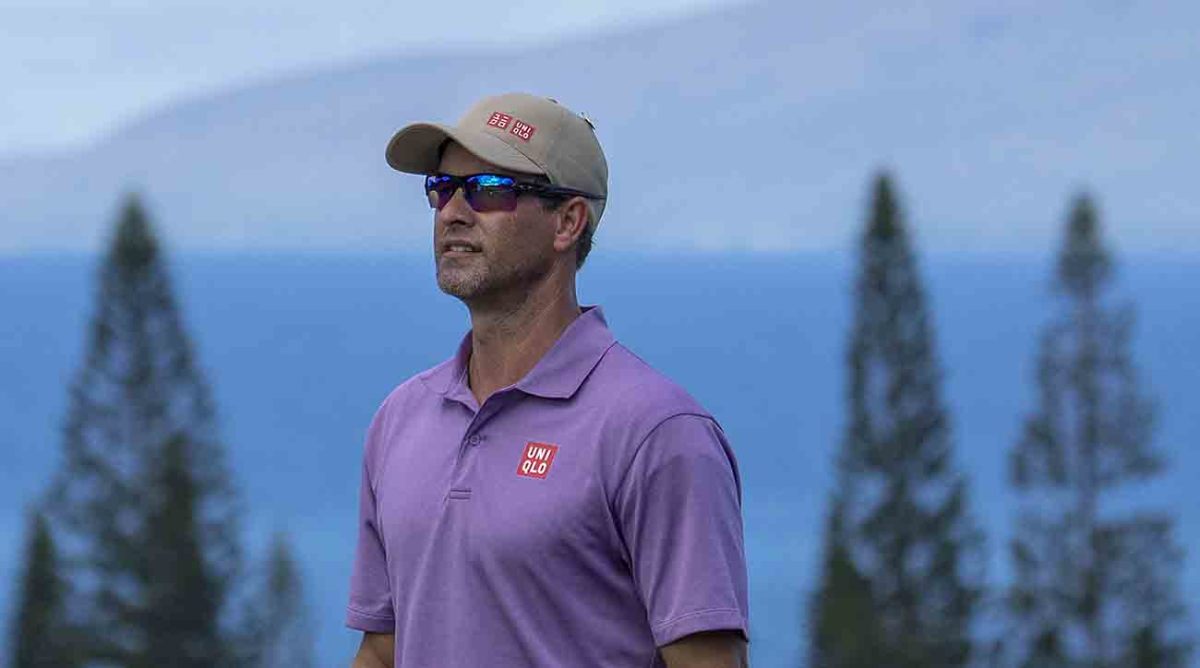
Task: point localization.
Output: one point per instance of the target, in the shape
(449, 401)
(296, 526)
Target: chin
(488, 283)
(461, 285)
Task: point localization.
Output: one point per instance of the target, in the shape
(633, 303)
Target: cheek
(524, 235)
(536, 227)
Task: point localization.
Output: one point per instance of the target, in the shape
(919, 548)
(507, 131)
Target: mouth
(459, 249)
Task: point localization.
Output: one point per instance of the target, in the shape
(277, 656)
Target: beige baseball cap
(521, 133)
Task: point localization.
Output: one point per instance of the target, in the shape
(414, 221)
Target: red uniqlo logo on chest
(523, 130)
(536, 461)
(499, 120)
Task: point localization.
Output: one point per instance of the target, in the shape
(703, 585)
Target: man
(544, 497)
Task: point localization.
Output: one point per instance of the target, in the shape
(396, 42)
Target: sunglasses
(490, 192)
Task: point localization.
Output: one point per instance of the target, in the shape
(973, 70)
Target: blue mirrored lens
(483, 192)
(491, 180)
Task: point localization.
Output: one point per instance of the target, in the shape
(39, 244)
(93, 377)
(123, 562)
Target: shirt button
(474, 440)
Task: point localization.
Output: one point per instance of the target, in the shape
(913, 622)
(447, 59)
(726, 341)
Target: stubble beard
(477, 279)
(462, 281)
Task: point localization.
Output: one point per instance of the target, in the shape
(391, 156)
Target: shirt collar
(557, 375)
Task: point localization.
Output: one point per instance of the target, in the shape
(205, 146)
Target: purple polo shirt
(583, 516)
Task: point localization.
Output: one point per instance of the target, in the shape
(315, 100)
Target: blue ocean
(300, 350)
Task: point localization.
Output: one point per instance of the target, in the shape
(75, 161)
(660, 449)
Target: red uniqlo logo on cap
(499, 120)
(523, 130)
(536, 461)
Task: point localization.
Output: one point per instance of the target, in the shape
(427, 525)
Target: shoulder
(637, 401)
(402, 399)
(421, 386)
(639, 390)
(412, 389)
(663, 432)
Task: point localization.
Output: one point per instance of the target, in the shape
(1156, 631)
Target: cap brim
(414, 149)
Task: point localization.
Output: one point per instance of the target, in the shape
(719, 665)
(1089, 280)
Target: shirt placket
(468, 446)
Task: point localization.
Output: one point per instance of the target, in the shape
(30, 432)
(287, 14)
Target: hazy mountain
(753, 127)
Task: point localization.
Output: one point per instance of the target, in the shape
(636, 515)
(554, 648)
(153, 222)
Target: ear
(572, 219)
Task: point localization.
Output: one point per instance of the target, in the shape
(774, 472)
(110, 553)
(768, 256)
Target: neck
(508, 339)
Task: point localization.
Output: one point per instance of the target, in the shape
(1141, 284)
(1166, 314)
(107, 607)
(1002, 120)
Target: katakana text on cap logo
(499, 120)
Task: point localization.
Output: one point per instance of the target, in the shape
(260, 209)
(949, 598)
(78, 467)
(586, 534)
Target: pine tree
(281, 635)
(41, 633)
(182, 603)
(1093, 586)
(902, 505)
(146, 508)
(843, 629)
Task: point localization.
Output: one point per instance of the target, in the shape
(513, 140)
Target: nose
(456, 209)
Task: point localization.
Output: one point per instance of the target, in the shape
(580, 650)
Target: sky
(74, 69)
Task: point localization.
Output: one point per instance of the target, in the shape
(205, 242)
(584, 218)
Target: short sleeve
(370, 606)
(679, 510)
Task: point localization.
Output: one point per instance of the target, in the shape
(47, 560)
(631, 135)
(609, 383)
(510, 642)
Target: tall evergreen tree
(146, 508)
(41, 634)
(904, 529)
(183, 598)
(843, 627)
(1094, 586)
(281, 633)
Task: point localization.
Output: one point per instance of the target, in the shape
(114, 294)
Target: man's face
(514, 250)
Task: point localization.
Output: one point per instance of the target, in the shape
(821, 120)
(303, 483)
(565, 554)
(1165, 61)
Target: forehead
(459, 161)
